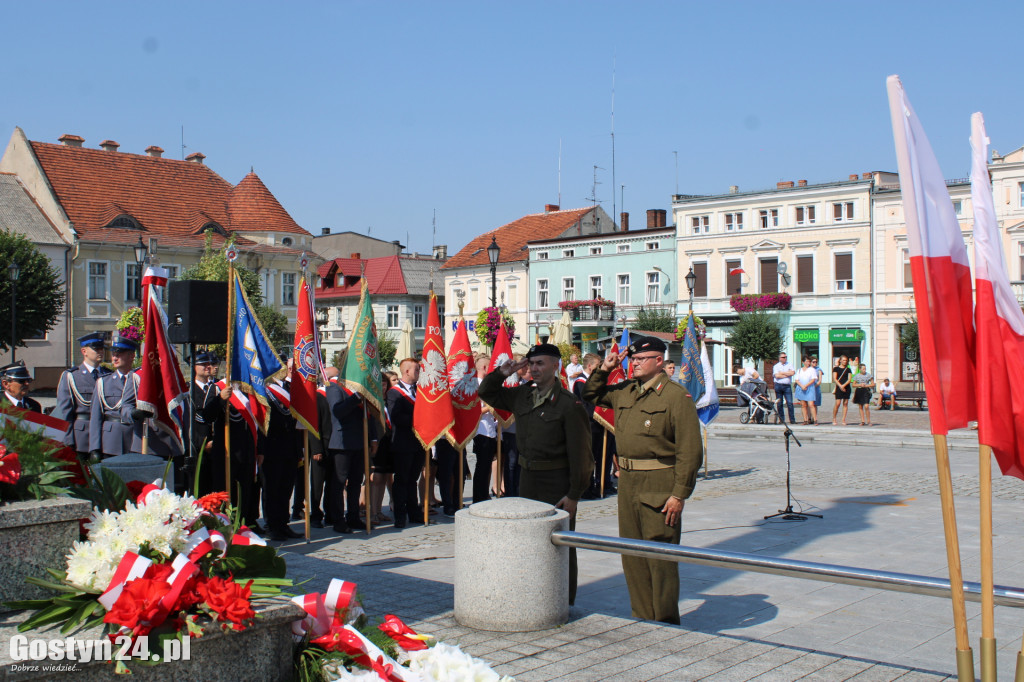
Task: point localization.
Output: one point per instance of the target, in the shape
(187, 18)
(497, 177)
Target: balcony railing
(593, 313)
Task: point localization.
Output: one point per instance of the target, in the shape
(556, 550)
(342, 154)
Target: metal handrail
(791, 568)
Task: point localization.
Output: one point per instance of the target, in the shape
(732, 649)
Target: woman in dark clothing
(841, 376)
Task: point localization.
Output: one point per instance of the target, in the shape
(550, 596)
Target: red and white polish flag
(999, 324)
(941, 272)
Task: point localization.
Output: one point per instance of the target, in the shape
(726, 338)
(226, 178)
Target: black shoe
(450, 513)
(399, 523)
(292, 534)
(278, 536)
(341, 528)
(317, 524)
(609, 489)
(355, 524)
(591, 494)
(258, 529)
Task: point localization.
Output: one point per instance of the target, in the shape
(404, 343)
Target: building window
(98, 281)
(595, 250)
(126, 222)
(805, 215)
(132, 282)
(512, 297)
(805, 274)
(769, 218)
(842, 211)
(287, 241)
(700, 287)
(417, 316)
(440, 311)
(654, 287)
(623, 289)
(701, 224)
(474, 298)
(392, 316)
(844, 271)
(1020, 191)
(568, 288)
(568, 253)
(542, 294)
(908, 273)
(595, 286)
(653, 246)
(769, 275)
(287, 288)
(542, 255)
(733, 277)
(622, 248)
(958, 208)
(339, 316)
(733, 221)
(172, 274)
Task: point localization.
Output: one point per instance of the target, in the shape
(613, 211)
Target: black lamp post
(493, 252)
(13, 272)
(691, 281)
(140, 257)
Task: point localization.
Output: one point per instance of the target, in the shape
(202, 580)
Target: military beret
(123, 343)
(93, 339)
(207, 358)
(544, 349)
(15, 371)
(643, 344)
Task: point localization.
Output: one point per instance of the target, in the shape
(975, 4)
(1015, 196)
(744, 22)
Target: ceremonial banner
(432, 414)
(253, 412)
(254, 363)
(305, 363)
(463, 386)
(942, 275)
(707, 406)
(627, 366)
(605, 416)
(500, 354)
(161, 389)
(999, 324)
(691, 374)
(360, 370)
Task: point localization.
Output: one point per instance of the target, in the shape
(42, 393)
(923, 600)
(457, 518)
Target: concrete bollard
(508, 575)
(136, 467)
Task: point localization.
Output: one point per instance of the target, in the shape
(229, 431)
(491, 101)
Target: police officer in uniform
(110, 421)
(15, 381)
(74, 393)
(660, 452)
(553, 435)
(206, 423)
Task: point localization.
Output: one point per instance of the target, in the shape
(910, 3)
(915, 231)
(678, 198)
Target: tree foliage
(757, 335)
(40, 291)
(655, 320)
(908, 335)
(387, 347)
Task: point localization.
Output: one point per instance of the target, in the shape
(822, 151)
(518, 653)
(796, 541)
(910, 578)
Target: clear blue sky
(372, 114)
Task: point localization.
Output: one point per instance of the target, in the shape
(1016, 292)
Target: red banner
(463, 385)
(605, 416)
(433, 414)
(500, 354)
(161, 386)
(305, 364)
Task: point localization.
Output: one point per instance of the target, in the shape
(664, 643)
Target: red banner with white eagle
(500, 354)
(433, 414)
(463, 385)
(305, 363)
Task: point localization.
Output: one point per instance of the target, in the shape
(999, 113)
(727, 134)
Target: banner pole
(366, 470)
(461, 486)
(227, 381)
(428, 488)
(145, 437)
(604, 460)
(497, 474)
(705, 434)
(964, 655)
(305, 480)
(988, 634)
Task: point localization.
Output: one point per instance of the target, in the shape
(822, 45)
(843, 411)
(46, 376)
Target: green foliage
(757, 335)
(41, 471)
(655, 320)
(40, 290)
(568, 350)
(106, 492)
(908, 335)
(275, 324)
(387, 347)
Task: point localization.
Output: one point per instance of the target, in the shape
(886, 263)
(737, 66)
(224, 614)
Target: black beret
(645, 344)
(548, 349)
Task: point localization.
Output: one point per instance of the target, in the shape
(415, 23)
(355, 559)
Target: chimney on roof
(196, 157)
(109, 146)
(734, 189)
(655, 218)
(550, 208)
(854, 176)
(786, 184)
(325, 231)
(354, 256)
(801, 183)
(624, 221)
(441, 252)
(865, 176)
(154, 151)
(70, 140)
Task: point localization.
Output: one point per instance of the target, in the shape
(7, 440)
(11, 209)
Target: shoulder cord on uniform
(103, 401)
(74, 388)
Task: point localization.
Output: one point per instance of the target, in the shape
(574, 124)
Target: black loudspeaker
(197, 311)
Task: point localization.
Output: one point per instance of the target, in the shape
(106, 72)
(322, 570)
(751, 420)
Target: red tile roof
(514, 236)
(383, 276)
(169, 198)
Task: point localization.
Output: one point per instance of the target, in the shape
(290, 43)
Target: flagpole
(428, 488)
(461, 487)
(366, 470)
(145, 437)
(988, 635)
(227, 380)
(705, 434)
(305, 480)
(497, 475)
(604, 460)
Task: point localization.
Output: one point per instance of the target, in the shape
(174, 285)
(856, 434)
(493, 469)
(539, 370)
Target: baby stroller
(760, 408)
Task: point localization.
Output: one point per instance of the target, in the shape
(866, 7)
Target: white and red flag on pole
(252, 411)
(941, 272)
(605, 416)
(999, 324)
(305, 363)
(500, 354)
(463, 385)
(433, 414)
(161, 388)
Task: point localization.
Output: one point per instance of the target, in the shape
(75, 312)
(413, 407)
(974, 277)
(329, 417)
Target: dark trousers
(319, 484)
(277, 478)
(408, 465)
(784, 392)
(447, 473)
(510, 460)
(597, 447)
(484, 448)
(345, 483)
(299, 494)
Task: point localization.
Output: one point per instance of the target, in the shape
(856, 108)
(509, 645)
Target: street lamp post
(140, 257)
(493, 252)
(13, 272)
(691, 281)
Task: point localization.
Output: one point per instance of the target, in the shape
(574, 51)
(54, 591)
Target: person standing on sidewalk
(841, 376)
(863, 386)
(817, 388)
(660, 452)
(805, 380)
(783, 373)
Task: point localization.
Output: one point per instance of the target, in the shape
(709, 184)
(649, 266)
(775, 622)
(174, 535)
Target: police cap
(15, 371)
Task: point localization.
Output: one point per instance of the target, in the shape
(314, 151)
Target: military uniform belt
(543, 465)
(111, 417)
(82, 417)
(650, 464)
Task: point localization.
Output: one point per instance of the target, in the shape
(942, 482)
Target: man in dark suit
(110, 417)
(16, 381)
(281, 450)
(75, 389)
(206, 423)
(345, 449)
(321, 466)
(406, 450)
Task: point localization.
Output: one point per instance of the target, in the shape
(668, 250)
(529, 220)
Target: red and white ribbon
(204, 541)
(244, 536)
(329, 611)
(366, 653)
(132, 566)
(183, 569)
(148, 490)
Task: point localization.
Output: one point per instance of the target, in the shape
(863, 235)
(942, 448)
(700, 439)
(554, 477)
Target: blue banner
(253, 361)
(623, 345)
(691, 374)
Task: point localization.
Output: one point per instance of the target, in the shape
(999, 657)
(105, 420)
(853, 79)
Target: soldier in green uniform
(660, 452)
(552, 434)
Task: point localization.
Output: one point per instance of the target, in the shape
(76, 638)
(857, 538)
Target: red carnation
(138, 607)
(228, 599)
(135, 488)
(10, 467)
(213, 502)
(403, 635)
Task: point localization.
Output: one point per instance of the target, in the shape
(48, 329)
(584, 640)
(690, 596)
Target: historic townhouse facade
(812, 242)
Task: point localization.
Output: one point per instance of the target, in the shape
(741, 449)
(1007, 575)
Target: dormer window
(125, 221)
(287, 241)
(215, 227)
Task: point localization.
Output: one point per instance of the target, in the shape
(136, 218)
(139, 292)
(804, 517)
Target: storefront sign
(720, 320)
(588, 336)
(806, 335)
(845, 335)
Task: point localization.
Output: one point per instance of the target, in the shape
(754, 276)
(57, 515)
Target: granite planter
(35, 535)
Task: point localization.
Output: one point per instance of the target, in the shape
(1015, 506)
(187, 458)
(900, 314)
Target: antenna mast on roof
(433, 239)
(559, 172)
(593, 192)
(613, 142)
(183, 143)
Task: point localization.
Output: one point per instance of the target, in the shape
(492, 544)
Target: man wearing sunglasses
(658, 438)
(16, 383)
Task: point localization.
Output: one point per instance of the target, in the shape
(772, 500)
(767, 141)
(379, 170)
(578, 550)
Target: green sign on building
(806, 335)
(845, 335)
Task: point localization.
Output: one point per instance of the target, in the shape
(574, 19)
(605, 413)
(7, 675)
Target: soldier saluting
(110, 421)
(75, 389)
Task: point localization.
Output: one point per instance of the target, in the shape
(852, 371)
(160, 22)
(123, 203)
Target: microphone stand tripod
(790, 514)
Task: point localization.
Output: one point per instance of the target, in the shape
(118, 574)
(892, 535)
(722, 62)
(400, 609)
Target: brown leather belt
(649, 464)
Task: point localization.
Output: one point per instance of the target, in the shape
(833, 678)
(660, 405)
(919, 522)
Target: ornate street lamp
(140, 257)
(691, 282)
(13, 272)
(493, 252)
